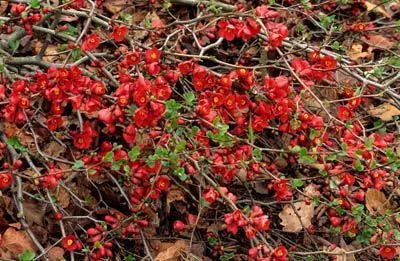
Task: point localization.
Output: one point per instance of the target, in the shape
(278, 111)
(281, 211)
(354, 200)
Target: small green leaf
(134, 153)
(16, 144)
(189, 98)
(297, 183)
(79, 164)
(180, 173)
(13, 45)
(27, 255)
(35, 4)
(108, 157)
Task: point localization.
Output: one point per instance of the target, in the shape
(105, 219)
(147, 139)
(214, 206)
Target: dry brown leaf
(34, 213)
(141, 34)
(56, 253)
(376, 201)
(377, 8)
(385, 112)
(311, 190)
(16, 241)
(51, 54)
(174, 194)
(356, 52)
(10, 130)
(291, 222)
(378, 41)
(347, 248)
(116, 6)
(339, 250)
(54, 149)
(3, 6)
(63, 197)
(172, 251)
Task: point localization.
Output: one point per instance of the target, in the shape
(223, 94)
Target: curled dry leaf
(311, 190)
(291, 222)
(54, 149)
(174, 194)
(3, 6)
(116, 6)
(385, 112)
(63, 197)
(376, 201)
(378, 41)
(16, 242)
(56, 253)
(11, 130)
(377, 8)
(34, 213)
(356, 52)
(171, 252)
(339, 251)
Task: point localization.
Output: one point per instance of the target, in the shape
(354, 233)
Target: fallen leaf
(347, 248)
(116, 6)
(356, 52)
(291, 222)
(63, 197)
(311, 190)
(56, 253)
(378, 41)
(377, 8)
(376, 201)
(54, 149)
(34, 213)
(339, 250)
(10, 130)
(174, 194)
(172, 252)
(51, 54)
(17, 241)
(3, 6)
(385, 112)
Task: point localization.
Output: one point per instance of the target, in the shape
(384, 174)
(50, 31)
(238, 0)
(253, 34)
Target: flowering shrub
(199, 131)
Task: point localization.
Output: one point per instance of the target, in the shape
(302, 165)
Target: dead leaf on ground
(116, 6)
(51, 54)
(385, 112)
(376, 201)
(172, 252)
(339, 250)
(141, 34)
(56, 253)
(54, 149)
(17, 241)
(347, 248)
(377, 8)
(34, 213)
(356, 52)
(3, 6)
(174, 194)
(378, 41)
(11, 130)
(291, 222)
(311, 190)
(63, 197)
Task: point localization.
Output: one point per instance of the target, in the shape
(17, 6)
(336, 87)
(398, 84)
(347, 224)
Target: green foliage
(16, 144)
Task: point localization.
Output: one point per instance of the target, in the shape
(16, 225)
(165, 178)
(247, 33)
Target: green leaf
(172, 108)
(358, 166)
(27, 255)
(79, 164)
(35, 4)
(14, 44)
(180, 146)
(134, 153)
(368, 142)
(76, 54)
(257, 154)
(297, 183)
(189, 98)
(331, 157)
(180, 173)
(16, 144)
(72, 31)
(204, 203)
(108, 157)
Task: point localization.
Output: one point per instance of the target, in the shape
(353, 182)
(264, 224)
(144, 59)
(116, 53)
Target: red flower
(152, 55)
(162, 183)
(250, 232)
(71, 243)
(141, 97)
(280, 253)
(211, 195)
(82, 141)
(387, 252)
(119, 33)
(344, 113)
(141, 117)
(54, 122)
(179, 225)
(262, 11)
(226, 30)
(185, 67)
(133, 58)
(6, 179)
(129, 134)
(281, 190)
(348, 179)
(328, 62)
(91, 42)
(162, 92)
